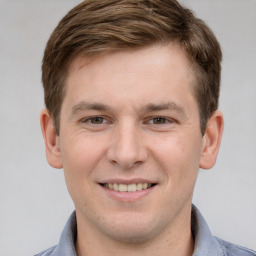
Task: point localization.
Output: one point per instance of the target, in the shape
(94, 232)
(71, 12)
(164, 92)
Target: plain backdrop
(33, 197)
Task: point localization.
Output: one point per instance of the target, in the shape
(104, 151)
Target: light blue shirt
(205, 243)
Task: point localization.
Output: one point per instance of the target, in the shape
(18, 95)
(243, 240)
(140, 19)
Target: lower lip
(128, 196)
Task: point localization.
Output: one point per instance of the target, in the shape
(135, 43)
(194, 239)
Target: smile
(128, 187)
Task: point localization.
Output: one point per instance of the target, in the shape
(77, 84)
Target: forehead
(148, 53)
(147, 72)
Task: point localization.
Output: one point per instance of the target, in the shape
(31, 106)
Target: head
(131, 91)
(94, 28)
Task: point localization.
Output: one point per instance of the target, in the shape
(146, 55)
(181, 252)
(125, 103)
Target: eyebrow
(83, 106)
(166, 106)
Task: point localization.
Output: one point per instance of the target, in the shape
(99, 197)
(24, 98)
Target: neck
(171, 242)
(184, 247)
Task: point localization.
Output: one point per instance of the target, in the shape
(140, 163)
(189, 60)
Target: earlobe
(51, 140)
(212, 140)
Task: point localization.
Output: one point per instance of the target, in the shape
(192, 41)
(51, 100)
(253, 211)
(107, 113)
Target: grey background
(33, 198)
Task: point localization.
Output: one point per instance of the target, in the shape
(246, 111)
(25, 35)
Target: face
(130, 142)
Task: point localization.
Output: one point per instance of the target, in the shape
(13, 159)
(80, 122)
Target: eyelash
(89, 120)
(151, 120)
(160, 118)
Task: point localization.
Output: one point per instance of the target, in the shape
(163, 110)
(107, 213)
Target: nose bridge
(127, 147)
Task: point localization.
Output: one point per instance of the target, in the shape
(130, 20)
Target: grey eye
(97, 120)
(159, 120)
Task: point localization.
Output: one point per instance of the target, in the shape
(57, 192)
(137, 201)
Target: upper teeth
(127, 187)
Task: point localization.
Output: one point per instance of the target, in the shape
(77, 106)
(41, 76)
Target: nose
(127, 148)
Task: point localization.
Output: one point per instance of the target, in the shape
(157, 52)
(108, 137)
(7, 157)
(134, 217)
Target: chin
(131, 235)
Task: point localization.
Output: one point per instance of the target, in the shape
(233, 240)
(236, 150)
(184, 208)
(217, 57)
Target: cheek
(81, 155)
(178, 156)
(81, 151)
(80, 158)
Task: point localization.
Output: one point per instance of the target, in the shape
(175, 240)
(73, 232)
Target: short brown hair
(95, 27)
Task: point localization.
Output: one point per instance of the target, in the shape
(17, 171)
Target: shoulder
(230, 249)
(48, 252)
(66, 245)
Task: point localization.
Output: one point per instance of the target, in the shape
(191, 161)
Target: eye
(95, 120)
(159, 120)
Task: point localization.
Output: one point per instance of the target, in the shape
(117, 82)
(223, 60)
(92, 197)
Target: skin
(132, 116)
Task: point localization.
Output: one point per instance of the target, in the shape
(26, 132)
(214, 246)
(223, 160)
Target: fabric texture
(205, 243)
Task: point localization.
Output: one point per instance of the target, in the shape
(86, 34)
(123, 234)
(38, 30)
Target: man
(131, 93)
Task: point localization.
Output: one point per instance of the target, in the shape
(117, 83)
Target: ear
(211, 140)
(51, 140)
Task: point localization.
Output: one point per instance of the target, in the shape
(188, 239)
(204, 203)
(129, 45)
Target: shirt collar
(205, 243)
(66, 246)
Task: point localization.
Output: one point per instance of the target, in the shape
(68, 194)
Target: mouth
(134, 187)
